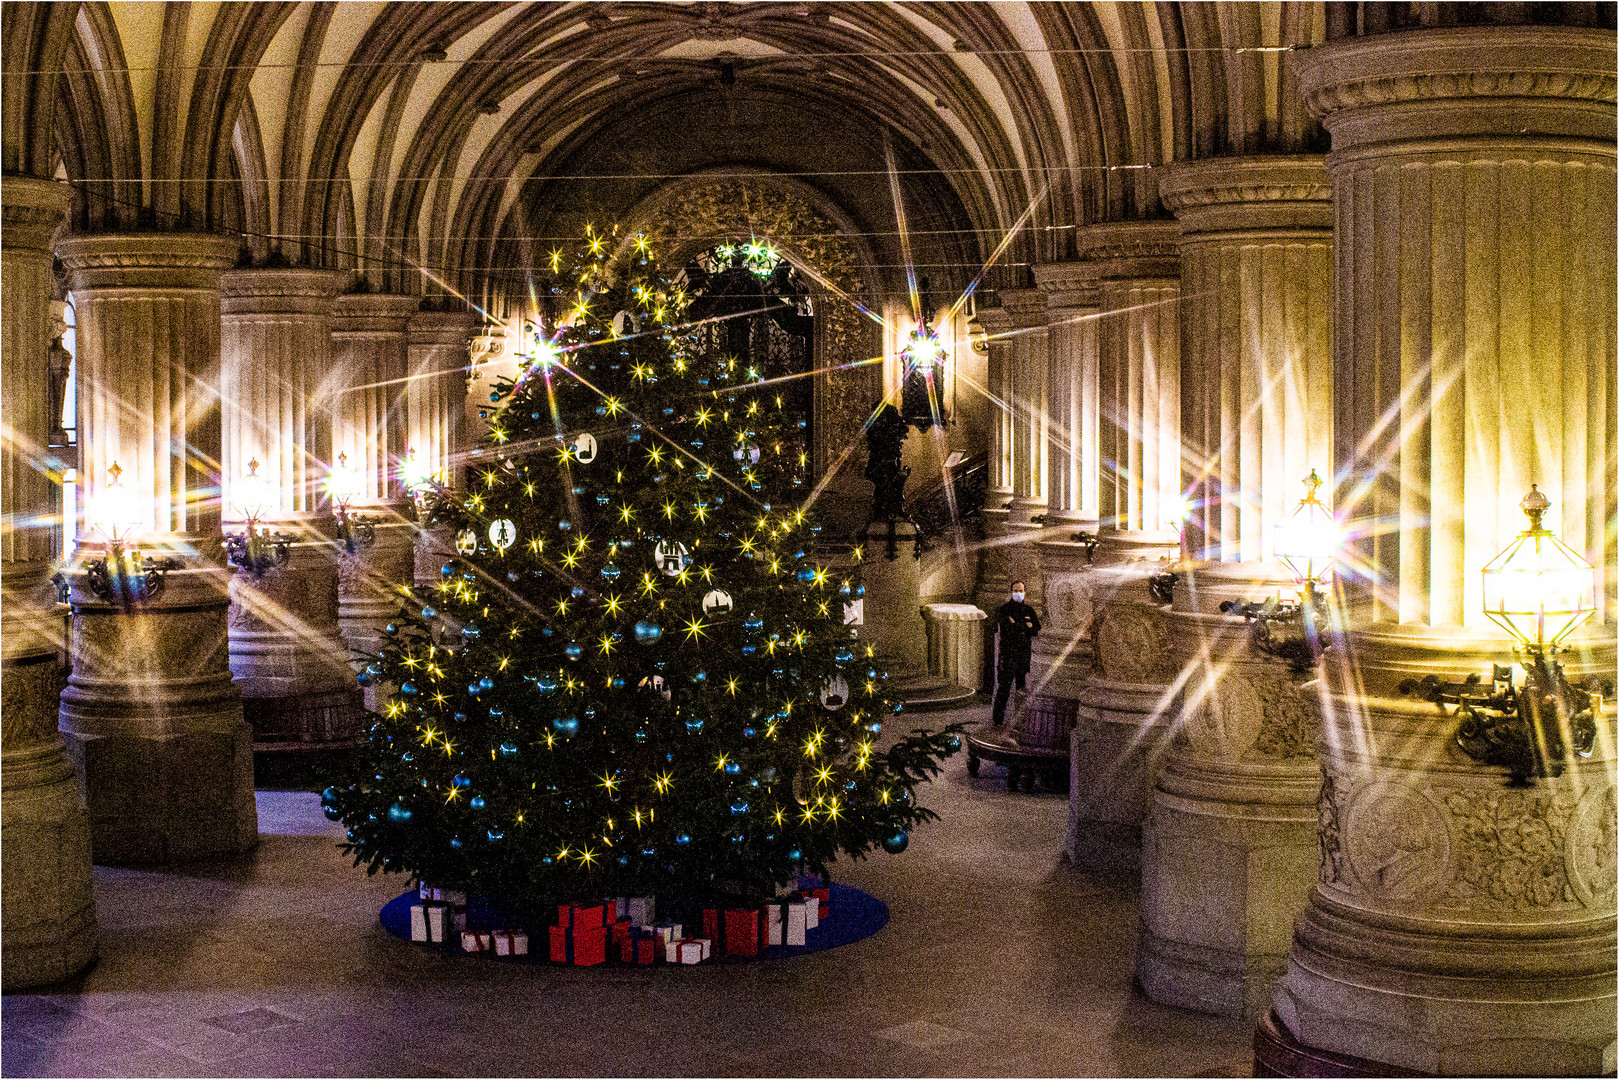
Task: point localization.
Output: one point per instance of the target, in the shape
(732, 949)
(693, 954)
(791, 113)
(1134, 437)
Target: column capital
(1131, 249)
(1462, 81)
(994, 320)
(1068, 284)
(376, 313)
(147, 260)
(279, 291)
(1262, 192)
(1025, 307)
(442, 327)
(33, 209)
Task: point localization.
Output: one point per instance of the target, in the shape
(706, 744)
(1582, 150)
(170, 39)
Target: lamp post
(1539, 590)
(255, 549)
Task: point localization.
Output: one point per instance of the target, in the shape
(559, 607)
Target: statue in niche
(885, 444)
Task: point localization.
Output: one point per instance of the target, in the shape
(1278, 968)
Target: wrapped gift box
(418, 922)
(570, 916)
(824, 906)
(581, 946)
(693, 950)
(646, 950)
(640, 910)
(785, 922)
(510, 943)
(741, 927)
(476, 941)
(614, 908)
(452, 897)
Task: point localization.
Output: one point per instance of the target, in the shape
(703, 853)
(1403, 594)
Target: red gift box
(825, 897)
(646, 950)
(741, 932)
(581, 946)
(577, 915)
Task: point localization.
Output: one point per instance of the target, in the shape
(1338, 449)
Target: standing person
(1016, 624)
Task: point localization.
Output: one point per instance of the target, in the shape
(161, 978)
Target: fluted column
(371, 356)
(1139, 279)
(435, 409)
(1256, 345)
(1027, 404)
(992, 561)
(150, 715)
(48, 915)
(1457, 926)
(1229, 845)
(279, 389)
(1063, 656)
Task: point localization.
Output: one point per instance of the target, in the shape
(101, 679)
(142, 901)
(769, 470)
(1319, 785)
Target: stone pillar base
(1221, 879)
(1117, 742)
(153, 725)
(49, 931)
(332, 721)
(893, 610)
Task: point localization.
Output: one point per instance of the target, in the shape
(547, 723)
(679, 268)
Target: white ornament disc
(836, 693)
(503, 533)
(717, 602)
(671, 556)
(854, 612)
(466, 541)
(584, 448)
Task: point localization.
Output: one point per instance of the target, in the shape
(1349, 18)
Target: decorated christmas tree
(641, 673)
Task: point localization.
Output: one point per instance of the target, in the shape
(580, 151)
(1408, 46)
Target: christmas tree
(637, 676)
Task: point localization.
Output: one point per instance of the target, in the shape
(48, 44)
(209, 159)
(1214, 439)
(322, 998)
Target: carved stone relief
(1131, 644)
(1068, 602)
(1332, 855)
(1396, 841)
(1592, 860)
(1511, 846)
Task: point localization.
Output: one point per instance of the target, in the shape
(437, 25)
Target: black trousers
(1004, 678)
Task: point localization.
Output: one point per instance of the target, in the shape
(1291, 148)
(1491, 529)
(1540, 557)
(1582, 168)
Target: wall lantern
(1306, 543)
(922, 385)
(1539, 590)
(124, 575)
(255, 549)
(345, 484)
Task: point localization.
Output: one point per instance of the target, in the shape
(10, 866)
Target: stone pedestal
(893, 609)
(433, 546)
(150, 716)
(955, 642)
(369, 579)
(280, 406)
(1228, 853)
(1124, 716)
(48, 911)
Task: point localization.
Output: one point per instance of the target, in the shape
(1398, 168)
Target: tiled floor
(999, 960)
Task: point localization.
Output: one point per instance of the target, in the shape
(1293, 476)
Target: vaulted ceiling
(391, 137)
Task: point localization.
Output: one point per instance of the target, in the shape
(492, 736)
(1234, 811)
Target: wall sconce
(922, 386)
(124, 576)
(1306, 543)
(255, 549)
(344, 484)
(418, 481)
(1539, 590)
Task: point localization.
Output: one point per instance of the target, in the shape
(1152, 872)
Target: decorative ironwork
(1162, 587)
(1285, 629)
(1530, 730)
(126, 577)
(256, 550)
(355, 530)
(950, 500)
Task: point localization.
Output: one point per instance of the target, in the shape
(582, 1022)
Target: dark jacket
(1016, 625)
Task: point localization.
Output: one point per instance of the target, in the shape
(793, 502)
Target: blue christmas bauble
(739, 808)
(447, 570)
(469, 631)
(474, 689)
(507, 749)
(461, 781)
(398, 814)
(732, 768)
(574, 651)
(564, 525)
(494, 836)
(795, 856)
(610, 572)
(753, 624)
(428, 613)
(546, 684)
(897, 843)
(455, 842)
(328, 804)
(694, 726)
(576, 592)
(806, 574)
(486, 683)
(408, 688)
(476, 802)
(647, 633)
(567, 725)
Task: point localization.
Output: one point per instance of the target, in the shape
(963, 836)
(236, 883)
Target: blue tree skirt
(853, 915)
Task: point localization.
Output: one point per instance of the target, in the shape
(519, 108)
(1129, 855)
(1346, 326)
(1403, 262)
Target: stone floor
(999, 959)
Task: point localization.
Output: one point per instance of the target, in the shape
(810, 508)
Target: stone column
(150, 715)
(1063, 655)
(1229, 847)
(992, 562)
(370, 350)
(1458, 926)
(435, 411)
(1256, 344)
(1138, 271)
(48, 914)
(279, 389)
(1027, 404)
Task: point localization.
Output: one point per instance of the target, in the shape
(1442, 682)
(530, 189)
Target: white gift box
(693, 950)
(511, 943)
(439, 924)
(812, 913)
(796, 915)
(475, 940)
(453, 897)
(615, 909)
(418, 922)
(640, 909)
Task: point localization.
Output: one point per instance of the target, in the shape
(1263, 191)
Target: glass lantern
(1539, 589)
(1306, 542)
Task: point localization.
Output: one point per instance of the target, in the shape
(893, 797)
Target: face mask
(1018, 596)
